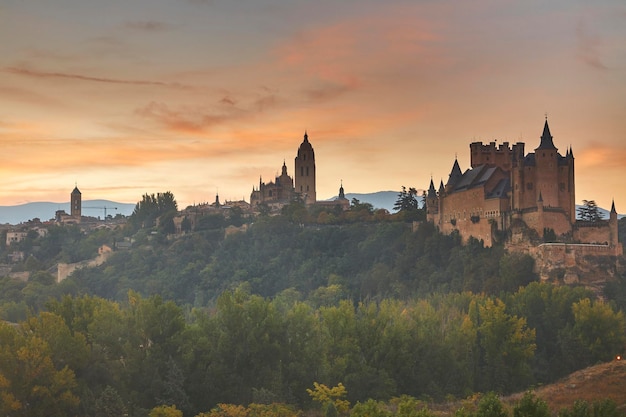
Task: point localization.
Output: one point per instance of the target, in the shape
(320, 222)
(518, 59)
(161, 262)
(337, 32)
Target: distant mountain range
(96, 208)
(380, 199)
(45, 211)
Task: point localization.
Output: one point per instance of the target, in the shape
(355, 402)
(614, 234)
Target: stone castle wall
(596, 232)
(539, 219)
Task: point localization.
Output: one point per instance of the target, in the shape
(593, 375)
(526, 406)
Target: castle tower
(305, 172)
(547, 169)
(75, 203)
(571, 189)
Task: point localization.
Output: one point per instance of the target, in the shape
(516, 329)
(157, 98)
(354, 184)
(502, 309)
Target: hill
(45, 210)
(604, 381)
(599, 382)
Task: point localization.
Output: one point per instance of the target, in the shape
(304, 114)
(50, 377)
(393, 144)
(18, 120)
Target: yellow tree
(166, 411)
(335, 396)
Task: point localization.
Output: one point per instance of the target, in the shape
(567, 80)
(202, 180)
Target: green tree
(598, 329)
(504, 347)
(531, 406)
(152, 207)
(370, 408)
(30, 384)
(589, 211)
(490, 406)
(407, 200)
(109, 404)
(516, 270)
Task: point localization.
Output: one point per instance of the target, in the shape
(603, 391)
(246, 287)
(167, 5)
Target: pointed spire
(613, 207)
(455, 174)
(306, 136)
(284, 171)
(571, 152)
(342, 195)
(441, 188)
(546, 137)
(431, 190)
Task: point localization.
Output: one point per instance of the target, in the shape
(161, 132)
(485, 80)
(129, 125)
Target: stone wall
(554, 219)
(596, 232)
(65, 270)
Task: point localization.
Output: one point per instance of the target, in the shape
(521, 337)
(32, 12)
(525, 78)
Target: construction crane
(105, 208)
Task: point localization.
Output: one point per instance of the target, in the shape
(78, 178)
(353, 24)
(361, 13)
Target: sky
(203, 97)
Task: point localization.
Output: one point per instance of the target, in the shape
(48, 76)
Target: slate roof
(478, 177)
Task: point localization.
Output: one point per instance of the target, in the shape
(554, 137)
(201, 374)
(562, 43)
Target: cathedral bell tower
(305, 172)
(76, 203)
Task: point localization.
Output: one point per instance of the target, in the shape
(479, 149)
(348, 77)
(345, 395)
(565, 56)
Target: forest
(340, 316)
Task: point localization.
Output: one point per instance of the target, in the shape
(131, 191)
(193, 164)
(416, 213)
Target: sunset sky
(196, 97)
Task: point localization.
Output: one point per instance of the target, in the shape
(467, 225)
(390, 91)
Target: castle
(507, 190)
(285, 189)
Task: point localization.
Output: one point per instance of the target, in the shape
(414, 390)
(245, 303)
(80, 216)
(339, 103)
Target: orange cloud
(601, 156)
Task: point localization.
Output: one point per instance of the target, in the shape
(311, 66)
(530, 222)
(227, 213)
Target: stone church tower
(76, 203)
(305, 172)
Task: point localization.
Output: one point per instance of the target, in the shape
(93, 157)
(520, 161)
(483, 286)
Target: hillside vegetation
(364, 302)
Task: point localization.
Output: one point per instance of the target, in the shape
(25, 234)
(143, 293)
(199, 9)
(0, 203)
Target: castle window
(562, 186)
(307, 171)
(302, 171)
(529, 185)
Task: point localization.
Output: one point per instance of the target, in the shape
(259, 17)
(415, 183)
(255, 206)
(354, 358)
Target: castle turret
(432, 201)
(305, 171)
(613, 226)
(455, 176)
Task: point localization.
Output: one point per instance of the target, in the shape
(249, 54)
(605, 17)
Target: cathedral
(506, 187)
(284, 189)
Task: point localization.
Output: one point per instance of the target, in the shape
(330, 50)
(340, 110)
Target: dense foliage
(143, 352)
(324, 263)
(311, 308)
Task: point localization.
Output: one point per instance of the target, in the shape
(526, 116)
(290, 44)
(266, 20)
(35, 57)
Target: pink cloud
(79, 77)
